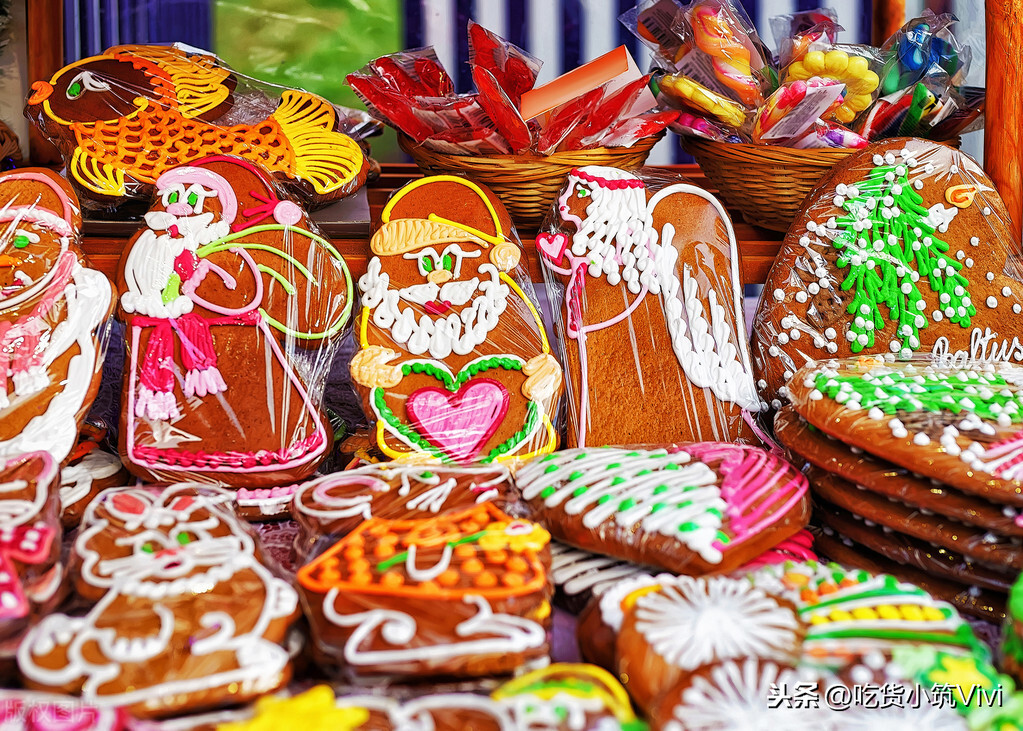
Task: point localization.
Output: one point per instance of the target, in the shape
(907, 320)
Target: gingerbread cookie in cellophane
(903, 249)
(454, 363)
(185, 613)
(235, 307)
(647, 273)
(125, 117)
(52, 311)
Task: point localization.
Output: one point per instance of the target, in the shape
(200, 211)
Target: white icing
(576, 572)
(76, 479)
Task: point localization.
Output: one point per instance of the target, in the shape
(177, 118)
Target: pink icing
(206, 178)
(459, 423)
(266, 459)
(751, 489)
(26, 544)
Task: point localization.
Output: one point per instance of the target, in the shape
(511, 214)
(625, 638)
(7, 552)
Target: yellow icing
(313, 710)
(385, 215)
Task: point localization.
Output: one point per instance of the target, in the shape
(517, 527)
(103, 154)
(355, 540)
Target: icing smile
(435, 308)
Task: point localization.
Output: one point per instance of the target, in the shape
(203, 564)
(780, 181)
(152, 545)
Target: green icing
(887, 246)
(891, 391)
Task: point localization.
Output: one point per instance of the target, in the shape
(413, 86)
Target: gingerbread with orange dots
(463, 594)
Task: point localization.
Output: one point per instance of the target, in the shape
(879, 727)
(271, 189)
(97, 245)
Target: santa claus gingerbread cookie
(234, 305)
(51, 305)
(208, 618)
(904, 248)
(651, 320)
(453, 362)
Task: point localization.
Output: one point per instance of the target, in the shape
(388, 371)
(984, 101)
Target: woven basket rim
(568, 158)
(766, 152)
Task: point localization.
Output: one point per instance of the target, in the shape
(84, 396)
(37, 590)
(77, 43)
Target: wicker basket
(766, 184)
(527, 184)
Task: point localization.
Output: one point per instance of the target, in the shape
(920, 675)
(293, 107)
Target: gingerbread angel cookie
(903, 248)
(31, 571)
(464, 594)
(651, 321)
(125, 117)
(453, 362)
(234, 306)
(696, 509)
(51, 306)
(207, 617)
(334, 505)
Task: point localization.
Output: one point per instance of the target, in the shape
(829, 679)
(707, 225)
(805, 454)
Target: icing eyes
(172, 197)
(20, 242)
(183, 538)
(149, 547)
(447, 262)
(84, 82)
(23, 238)
(582, 192)
(426, 264)
(192, 199)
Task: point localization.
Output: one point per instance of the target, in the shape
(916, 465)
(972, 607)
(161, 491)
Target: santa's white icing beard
(151, 261)
(457, 332)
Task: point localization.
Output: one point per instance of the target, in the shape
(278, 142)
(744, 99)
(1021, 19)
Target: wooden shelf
(757, 246)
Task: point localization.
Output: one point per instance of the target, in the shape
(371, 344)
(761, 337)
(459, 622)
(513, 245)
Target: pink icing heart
(552, 246)
(459, 423)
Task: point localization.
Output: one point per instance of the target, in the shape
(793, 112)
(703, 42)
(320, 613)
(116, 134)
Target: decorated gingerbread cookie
(651, 319)
(51, 307)
(469, 592)
(208, 618)
(903, 248)
(1012, 643)
(124, 118)
(580, 576)
(924, 555)
(454, 363)
(981, 545)
(22, 710)
(84, 479)
(806, 443)
(31, 571)
(698, 509)
(960, 426)
(234, 306)
(334, 505)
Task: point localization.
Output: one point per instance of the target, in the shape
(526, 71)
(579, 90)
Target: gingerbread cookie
(903, 248)
(932, 559)
(334, 505)
(208, 618)
(580, 576)
(968, 599)
(955, 425)
(651, 321)
(124, 118)
(463, 594)
(807, 443)
(454, 363)
(31, 571)
(84, 479)
(234, 306)
(51, 307)
(702, 508)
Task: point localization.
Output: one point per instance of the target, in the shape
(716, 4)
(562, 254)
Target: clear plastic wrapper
(184, 612)
(794, 48)
(502, 111)
(957, 424)
(53, 308)
(463, 594)
(721, 30)
(903, 248)
(31, 569)
(86, 477)
(855, 66)
(794, 107)
(124, 118)
(630, 131)
(690, 94)
(692, 126)
(650, 315)
(656, 23)
(514, 69)
(568, 117)
(453, 362)
(922, 43)
(791, 25)
(696, 509)
(332, 506)
(235, 306)
(829, 135)
(606, 115)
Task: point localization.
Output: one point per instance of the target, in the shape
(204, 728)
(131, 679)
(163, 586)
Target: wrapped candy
(794, 108)
(850, 65)
(696, 96)
(721, 31)
(514, 70)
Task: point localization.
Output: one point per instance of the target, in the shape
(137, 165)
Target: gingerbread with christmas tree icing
(903, 248)
(696, 509)
(463, 594)
(960, 426)
(454, 364)
(234, 306)
(651, 318)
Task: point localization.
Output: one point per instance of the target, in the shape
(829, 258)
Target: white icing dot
(830, 333)
(779, 295)
(992, 302)
(969, 263)
(794, 334)
(953, 169)
(1006, 291)
(918, 184)
(1016, 308)
(783, 338)
(773, 350)
(986, 211)
(974, 241)
(800, 297)
(990, 276)
(921, 439)
(761, 383)
(937, 316)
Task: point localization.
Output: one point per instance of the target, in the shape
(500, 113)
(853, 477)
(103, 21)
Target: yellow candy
(818, 619)
(696, 95)
(840, 615)
(864, 613)
(933, 614)
(836, 63)
(858, 67)
(813, 64)
(887, 611)
(912, 612)
(844, 115)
